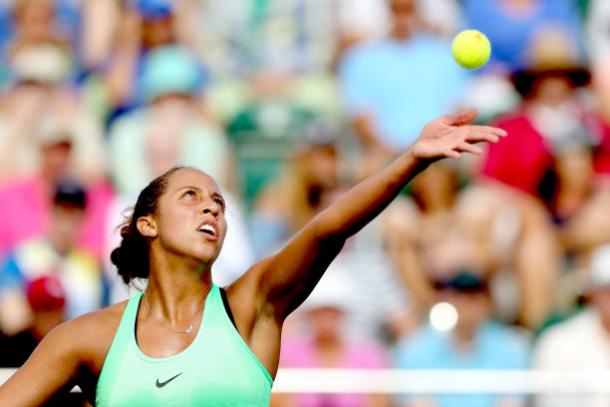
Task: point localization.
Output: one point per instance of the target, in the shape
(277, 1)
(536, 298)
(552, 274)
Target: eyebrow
(213, 194)
(189, 187)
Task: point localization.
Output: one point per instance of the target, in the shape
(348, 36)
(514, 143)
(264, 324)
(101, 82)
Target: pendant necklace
(186, 330)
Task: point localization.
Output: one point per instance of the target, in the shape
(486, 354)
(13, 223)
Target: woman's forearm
(367, 199)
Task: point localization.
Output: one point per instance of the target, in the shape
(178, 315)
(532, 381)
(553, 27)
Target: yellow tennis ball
(471, 49)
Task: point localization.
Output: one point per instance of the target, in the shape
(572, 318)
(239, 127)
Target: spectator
(599, 124)
(55, 254)
(573, 176)
(26, 201)
(142, 26)
(170, 129)
(46, 299)
(550, 117)
(100, 22)
(391, 87)
(453, 220)
(443, 17)
(474, 343)
(582, 342)
(41, 21)
(589, 228)
(40, 100)
(515, 27)
(243, 39)
(362, 21)
(384, 310)
(287, 203)
(328, 346)
(417, 225)
(513, 239)
(598, 39)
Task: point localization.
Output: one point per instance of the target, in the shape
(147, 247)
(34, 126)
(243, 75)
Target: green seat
(263, 136)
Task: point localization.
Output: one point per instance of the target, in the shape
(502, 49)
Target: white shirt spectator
(577, 344)
(597, 29)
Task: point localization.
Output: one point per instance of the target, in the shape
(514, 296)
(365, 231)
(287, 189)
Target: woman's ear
(147, 226)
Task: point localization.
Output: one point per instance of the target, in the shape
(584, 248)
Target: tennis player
(185, 341)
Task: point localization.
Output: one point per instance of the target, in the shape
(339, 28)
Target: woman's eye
(189, 193)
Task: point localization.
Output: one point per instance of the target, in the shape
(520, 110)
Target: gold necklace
(187, 330)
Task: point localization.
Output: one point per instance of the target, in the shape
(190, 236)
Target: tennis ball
(471, 49)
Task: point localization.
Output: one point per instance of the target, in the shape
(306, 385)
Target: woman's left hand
(451, 135)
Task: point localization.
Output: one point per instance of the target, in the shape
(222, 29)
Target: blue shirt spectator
(495, 347)
(513, 26)
(401, 85)
(474, 341)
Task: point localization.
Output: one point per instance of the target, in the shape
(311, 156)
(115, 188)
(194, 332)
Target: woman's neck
(177, 289)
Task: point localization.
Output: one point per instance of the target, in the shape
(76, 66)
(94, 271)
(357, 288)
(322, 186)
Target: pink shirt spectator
(24, 213)
(357, 355)
(522, 159)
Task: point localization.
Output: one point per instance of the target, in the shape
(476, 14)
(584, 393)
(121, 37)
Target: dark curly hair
(131, 257)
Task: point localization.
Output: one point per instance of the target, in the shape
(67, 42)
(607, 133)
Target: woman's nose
(212, 208)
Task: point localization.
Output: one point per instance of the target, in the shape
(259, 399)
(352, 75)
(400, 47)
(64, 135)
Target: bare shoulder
(90, 335)
(75, 350)
(98, 322)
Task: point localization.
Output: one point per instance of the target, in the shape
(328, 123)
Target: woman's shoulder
(102, 321)
(91, 334)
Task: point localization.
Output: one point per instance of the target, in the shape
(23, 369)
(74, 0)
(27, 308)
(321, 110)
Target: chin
(205, 256)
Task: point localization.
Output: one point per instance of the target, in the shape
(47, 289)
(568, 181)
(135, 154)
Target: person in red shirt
(549, 118)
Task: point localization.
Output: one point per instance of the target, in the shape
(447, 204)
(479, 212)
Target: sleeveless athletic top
(216, 369)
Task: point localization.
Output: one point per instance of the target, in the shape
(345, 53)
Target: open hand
(451, 135)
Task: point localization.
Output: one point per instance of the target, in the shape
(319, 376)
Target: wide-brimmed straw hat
(550, 57)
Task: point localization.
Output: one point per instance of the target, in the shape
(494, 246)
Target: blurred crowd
(287, 103)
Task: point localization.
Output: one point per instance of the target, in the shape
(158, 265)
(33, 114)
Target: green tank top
(216, 369)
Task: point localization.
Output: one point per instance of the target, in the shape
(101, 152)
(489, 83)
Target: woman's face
(190, 220)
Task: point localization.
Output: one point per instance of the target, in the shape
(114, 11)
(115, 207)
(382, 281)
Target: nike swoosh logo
(162, 384)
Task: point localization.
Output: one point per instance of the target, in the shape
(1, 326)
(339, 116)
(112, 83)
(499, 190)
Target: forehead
(192, 178)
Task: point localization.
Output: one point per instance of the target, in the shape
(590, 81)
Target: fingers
(465, 147)
(451, 154)
(478, 137)
(460, 118)
(484, 133)
(489, 129)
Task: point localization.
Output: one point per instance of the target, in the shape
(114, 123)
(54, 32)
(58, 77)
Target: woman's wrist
(412, 160)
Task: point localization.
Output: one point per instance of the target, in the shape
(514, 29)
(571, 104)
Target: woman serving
(185, 341)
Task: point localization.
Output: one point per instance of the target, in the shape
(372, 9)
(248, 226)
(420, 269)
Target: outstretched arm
(287, 278)
(71, 354)
(51, 367)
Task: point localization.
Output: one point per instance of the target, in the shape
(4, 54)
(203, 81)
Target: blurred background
(493, 262)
